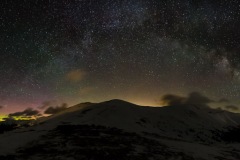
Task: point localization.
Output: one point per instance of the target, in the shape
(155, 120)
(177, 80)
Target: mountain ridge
(175, 125)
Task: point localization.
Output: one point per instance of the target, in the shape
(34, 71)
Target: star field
(71, 51)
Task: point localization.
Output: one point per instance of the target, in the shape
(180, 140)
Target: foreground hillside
(120, 130)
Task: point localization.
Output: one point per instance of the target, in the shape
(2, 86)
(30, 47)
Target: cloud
(57, 109)
(193, 98)
(45, 104)
(231, 107)
(27, 112)
(1, 107)
(75, 75)
(172, 100)
(196, 98)
(219, 108)
(223, 100)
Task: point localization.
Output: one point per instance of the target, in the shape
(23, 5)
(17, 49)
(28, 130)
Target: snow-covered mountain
(175, 132)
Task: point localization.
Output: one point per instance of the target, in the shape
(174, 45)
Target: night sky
(72, 51)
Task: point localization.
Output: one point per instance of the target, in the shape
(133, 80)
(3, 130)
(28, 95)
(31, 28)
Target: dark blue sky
(84, 50)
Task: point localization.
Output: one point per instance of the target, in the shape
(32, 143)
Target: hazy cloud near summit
(56, 109)
(193, 98)
(231, 107)
(172, 100)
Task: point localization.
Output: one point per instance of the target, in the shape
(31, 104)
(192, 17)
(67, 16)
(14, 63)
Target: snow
(179, 127)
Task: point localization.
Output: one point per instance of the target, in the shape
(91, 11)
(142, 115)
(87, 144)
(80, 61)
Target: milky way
(84, 50)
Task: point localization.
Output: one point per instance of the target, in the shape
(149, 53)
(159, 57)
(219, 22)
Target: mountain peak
(118, 102)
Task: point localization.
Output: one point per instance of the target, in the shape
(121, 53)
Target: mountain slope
(186, 122)
(186, 131)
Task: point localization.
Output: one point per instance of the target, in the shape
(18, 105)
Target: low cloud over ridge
(26, 113)
(231, 108)
(56, 109)
(193, 98)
